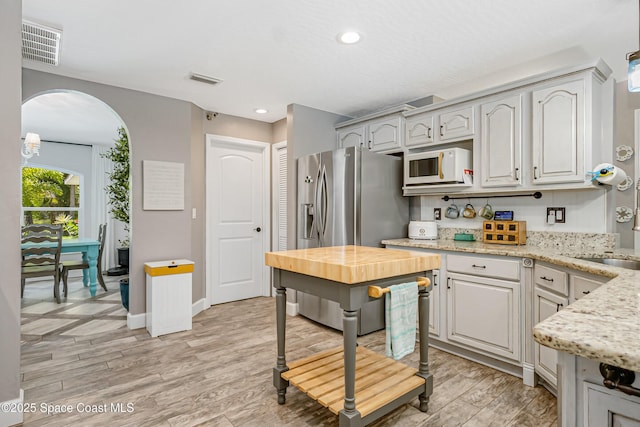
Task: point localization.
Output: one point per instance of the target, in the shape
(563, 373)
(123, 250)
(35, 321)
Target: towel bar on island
(377, 291)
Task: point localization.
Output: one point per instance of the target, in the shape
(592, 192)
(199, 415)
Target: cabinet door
(501, 142)
(559, 133)
(385, 134)
(581, 286)
(419, 131)
(456, 124)
(354, 136)
(434, 305)
(546, 304)
(608, 408)
(484, 313)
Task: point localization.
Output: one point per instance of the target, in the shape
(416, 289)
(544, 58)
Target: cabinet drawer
(583, 286)
(552, 279)
(508, 269)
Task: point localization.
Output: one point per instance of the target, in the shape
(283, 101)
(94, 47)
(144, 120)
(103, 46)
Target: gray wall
(308, 131)
(10, 104)
(159, 129)
(625, 105)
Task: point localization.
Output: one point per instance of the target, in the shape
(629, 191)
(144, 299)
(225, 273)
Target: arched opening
(76, 132)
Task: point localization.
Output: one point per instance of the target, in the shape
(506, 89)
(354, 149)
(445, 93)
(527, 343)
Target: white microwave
(435, 167)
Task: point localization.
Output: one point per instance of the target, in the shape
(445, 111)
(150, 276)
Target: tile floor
(78, 314)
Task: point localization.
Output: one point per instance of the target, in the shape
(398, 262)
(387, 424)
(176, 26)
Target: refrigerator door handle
(321, 203)
(315, 226)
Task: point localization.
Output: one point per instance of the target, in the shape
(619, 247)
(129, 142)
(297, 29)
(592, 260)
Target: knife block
(505, 232)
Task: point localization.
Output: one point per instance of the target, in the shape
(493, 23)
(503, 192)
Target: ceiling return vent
(204, 79)
(40, 43)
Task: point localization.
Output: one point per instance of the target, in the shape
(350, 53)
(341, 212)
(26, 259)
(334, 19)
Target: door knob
(258, 229)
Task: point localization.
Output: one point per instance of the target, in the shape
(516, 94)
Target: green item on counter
(464, 236)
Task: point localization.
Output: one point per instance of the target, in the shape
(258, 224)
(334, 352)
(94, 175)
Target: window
(51, 197)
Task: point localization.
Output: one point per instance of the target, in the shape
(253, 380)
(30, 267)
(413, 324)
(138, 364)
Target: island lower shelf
(379, 381)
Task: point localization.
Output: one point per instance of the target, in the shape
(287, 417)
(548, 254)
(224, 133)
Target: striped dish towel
(401, 306)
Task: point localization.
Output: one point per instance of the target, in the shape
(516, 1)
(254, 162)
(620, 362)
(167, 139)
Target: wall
(225, 125)
(586, 210)
(159, 129)
(308, 131)
(625, 105)
(10, 105)
(279, 132)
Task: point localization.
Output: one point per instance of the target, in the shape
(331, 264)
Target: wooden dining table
(89, 249)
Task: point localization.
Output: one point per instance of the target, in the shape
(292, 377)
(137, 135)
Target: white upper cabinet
(353, 136)
(558, 143)
(382, 132)
(419, 131)
(456, 124)
(385, 134)
(501, 123)
(427, 129)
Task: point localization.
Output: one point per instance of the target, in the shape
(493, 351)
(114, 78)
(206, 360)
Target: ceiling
(271, 54)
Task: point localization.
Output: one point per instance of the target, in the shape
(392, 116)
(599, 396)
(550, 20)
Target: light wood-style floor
(220, 374)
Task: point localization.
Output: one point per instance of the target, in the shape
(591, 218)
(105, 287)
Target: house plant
(118, 193)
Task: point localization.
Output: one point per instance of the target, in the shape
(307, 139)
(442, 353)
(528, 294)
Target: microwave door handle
(440, 173)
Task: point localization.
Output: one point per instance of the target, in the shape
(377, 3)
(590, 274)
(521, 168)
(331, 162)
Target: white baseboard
(529, 375)
(13, 416)
(199, 306)
(292, 308)
(136, 321)
(139, 321)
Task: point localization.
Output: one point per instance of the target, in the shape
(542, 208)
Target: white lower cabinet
(546, 304)
(434, 305)
(484, 313)
(586, 402)
(606, 408)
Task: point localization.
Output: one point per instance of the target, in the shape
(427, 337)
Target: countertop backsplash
(583, 242)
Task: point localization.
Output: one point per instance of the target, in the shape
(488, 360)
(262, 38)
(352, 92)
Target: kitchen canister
(606, 173)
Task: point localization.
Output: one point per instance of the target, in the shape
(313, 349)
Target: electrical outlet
(437, 214)
(556, 215)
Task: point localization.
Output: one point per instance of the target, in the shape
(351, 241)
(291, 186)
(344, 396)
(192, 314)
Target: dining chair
(41, 247)
(81, 265)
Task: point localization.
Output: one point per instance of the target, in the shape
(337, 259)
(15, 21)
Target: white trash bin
(168, 296)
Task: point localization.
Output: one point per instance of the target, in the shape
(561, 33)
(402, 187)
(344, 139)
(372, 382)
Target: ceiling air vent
(40, 43)
(204, 79)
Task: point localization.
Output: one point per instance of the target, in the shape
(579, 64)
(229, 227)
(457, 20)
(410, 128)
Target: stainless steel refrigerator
(348, 196)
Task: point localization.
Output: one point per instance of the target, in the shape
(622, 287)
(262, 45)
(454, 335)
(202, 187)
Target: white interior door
(237, 218)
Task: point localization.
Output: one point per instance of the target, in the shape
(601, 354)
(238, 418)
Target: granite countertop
(352, 264)
(602, 326)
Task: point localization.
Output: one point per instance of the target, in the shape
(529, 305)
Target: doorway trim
(214, 140)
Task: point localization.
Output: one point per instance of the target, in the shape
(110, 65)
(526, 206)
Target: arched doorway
(76, 130)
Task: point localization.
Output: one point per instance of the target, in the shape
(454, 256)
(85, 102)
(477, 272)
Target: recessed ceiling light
(349, 37)
(261, 111)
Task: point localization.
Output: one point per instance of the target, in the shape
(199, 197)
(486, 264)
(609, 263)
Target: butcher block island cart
(355, 383)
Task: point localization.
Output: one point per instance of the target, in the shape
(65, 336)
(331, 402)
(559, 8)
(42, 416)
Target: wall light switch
(556, 215)
(193, 213)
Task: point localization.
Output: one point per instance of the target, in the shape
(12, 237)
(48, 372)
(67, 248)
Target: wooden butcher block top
(352, 264)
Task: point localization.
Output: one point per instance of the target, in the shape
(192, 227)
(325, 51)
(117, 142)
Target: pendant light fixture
(633, 73)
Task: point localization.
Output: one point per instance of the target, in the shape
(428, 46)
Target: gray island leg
(423, 369)
(349, 416)
(281, 364)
